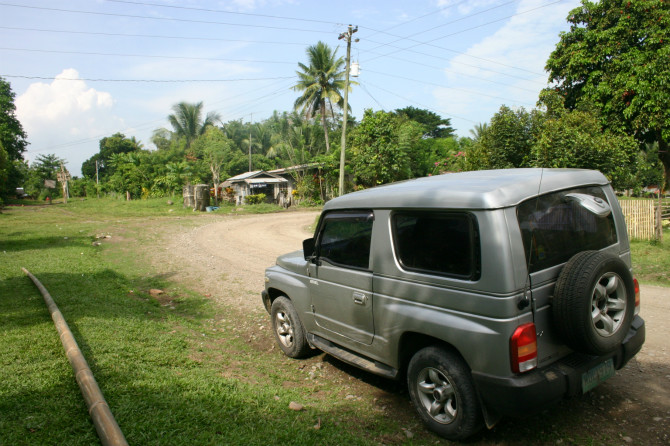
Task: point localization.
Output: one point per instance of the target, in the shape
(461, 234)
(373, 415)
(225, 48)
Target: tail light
(637, 296)
(523, 348)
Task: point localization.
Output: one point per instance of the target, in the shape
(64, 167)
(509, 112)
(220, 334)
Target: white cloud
(508, 63)
(63, 112)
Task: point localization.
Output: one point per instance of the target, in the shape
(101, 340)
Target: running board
(352, 358)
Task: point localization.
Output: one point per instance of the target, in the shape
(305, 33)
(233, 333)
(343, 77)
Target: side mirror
(595, 205)
(308, 248)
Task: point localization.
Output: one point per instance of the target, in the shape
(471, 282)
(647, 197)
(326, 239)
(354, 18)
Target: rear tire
(593, 302)
(288, 330)
(443, 393)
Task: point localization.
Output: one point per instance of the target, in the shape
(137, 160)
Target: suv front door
(340, 278)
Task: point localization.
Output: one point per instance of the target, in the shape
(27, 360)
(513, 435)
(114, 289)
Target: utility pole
(345, 36)
(97, 179)
(251, 123)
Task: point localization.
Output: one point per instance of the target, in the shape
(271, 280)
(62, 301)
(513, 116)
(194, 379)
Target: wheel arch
(411, 342)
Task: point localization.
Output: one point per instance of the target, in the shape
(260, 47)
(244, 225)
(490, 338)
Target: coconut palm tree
(187, 120)
(321, 84)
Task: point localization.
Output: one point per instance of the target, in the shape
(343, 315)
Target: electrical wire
(222, 11)
(450, 88)
(428, 43)
(170, 19)
(145, 56)
(153, 36)
(145, 80)
(422, 105)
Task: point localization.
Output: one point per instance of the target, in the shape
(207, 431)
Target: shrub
(255, 199)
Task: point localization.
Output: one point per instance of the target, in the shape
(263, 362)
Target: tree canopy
(616, 56)
(435, 126)
(13, 140)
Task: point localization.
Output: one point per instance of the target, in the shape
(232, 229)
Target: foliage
(576, 139)
(435, 126)
(615, 56)
(255, 199)
(381, 148)
(321, 84)
(13, 141)
(186, 121)
(507, 141)
(109, 146)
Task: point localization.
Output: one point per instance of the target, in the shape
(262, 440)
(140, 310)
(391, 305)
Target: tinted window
(344, 238)
(437, 243)
(554, 229)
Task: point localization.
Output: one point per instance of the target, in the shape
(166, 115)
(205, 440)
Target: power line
(146, 80)
(419, 43)
(456, 72)
(450, 88)
(222, 11)
(416, 18)
(144, 55)
(464, 64)
(440, 26)
(153, 36)
(422, 105)
(170, 19)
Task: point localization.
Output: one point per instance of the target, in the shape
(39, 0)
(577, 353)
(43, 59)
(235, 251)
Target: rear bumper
(521, 394)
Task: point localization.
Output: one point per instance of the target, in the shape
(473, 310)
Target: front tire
(443, 393)
(288, 330)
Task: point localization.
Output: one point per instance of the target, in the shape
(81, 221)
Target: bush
(255, 199)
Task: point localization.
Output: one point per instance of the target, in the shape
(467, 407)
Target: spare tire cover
(593, 302)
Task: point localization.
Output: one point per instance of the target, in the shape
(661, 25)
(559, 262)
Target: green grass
(651, 260)
(172, 370)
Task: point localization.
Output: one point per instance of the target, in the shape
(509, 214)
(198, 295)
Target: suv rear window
(437, 243)
(554, 229)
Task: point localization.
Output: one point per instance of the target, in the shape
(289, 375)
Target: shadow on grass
(50, 242)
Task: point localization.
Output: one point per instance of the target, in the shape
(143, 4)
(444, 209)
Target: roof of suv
(482, 189)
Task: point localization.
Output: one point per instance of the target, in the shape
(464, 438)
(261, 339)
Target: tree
(434, 125)
(381, 147)
(187, 122)
(507, 141)
(615, 56)
(321, 84)
(109, 146)
(577, 139)
(216, 150)
(12, 139)
(478, 131)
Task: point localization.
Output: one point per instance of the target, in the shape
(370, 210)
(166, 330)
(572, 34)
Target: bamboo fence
(640, 218)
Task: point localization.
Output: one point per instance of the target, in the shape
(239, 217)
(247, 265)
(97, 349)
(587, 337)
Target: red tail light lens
(523, 348)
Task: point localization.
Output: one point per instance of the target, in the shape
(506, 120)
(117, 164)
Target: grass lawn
(651, 260)
(160, 362)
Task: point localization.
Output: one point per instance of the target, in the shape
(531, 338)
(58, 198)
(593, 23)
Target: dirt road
(226, 257)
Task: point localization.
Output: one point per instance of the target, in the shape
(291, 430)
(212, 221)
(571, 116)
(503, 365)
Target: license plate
(597, 375)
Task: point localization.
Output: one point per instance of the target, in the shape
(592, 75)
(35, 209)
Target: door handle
(360, 298)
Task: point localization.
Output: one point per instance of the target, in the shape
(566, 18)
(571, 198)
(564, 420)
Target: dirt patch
(225, 257)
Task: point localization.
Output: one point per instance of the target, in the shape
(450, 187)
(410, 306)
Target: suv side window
(554, 228)
(444, 243)
(344, 238)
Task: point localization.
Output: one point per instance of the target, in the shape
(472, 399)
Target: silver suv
(492, 292)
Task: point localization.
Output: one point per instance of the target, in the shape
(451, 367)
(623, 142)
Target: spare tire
(593, 302)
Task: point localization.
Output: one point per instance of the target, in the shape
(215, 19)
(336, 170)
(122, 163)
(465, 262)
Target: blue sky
(86, 69)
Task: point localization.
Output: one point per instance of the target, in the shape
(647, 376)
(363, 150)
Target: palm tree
(478, 131)
(187, 120)
(321, 83)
